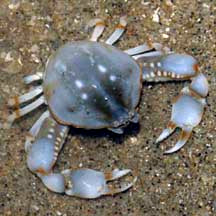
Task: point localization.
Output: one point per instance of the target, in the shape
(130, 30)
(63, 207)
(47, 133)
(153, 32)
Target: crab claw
(54, 182)
(187, 113)
(90, 184)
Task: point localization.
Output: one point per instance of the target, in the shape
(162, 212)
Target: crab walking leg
(115, 174)
(33, 132)
(189, 106)
(146, 56)
(84, 183)
(34, 77)
(120, 28)
(98, 30)
(23, 111)
(17, 100)
(146, 48)
(139, 49)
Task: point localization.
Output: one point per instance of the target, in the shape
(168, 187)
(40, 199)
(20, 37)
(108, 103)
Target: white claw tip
(165, 133)
(123, 20)
(11, 102)
(177, 146)
(11, 119)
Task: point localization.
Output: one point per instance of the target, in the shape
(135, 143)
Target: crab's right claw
(90, 184)
(187, 111)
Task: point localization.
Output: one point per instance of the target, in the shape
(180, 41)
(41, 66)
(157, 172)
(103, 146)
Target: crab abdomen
(92, 85)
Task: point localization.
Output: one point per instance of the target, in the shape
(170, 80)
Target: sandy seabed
(183, 183)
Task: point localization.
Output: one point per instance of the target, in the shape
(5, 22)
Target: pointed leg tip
(123, 20)
(158, 140)
(127, 186)
(170, 151)
(12, 101)
(116, 174)
(121, 173)
(123, 187)
(165, 133)
(183, 138)
(94, 21)
(6, 125)
(177, 147)
(134, 180)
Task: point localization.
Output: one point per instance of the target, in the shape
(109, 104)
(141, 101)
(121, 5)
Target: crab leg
(120, 28)
(23, 111)
(146, 48)
(148, 55)
(139, 49)
(34, 77)
(88, 183)
(42, 153)
(167, 132)
(98, 30)
(17, 100)
(189, 106)
(183, 138)
(165, 67)
(33, 132)
(84, 183)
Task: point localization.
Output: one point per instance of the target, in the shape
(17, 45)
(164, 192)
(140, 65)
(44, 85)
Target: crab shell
(92, 85)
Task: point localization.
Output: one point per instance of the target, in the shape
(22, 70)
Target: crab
(94, 85)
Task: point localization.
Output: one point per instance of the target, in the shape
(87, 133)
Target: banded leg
(17, 100)
(188, 107)
(84, 183)
(98, 30)
(32, 78)
(23, 111)
(120, 28)
(33, 132)
(140, 51)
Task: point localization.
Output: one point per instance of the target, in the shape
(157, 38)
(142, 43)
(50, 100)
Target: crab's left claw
(187, 111)
(90, 184)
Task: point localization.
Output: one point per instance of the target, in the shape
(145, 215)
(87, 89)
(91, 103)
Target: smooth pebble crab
(94, 85)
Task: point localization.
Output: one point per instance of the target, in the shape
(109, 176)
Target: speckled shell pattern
(92, 85)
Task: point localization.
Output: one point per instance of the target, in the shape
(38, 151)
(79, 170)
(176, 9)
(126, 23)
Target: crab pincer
(188, 106)
(41, 157)
(88, 183)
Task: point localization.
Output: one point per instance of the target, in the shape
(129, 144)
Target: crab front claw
(187, 113)
(90, 184)
(188, 107)
(48, 138)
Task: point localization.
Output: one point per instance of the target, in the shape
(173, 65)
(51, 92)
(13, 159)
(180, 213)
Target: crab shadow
(130, 130)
